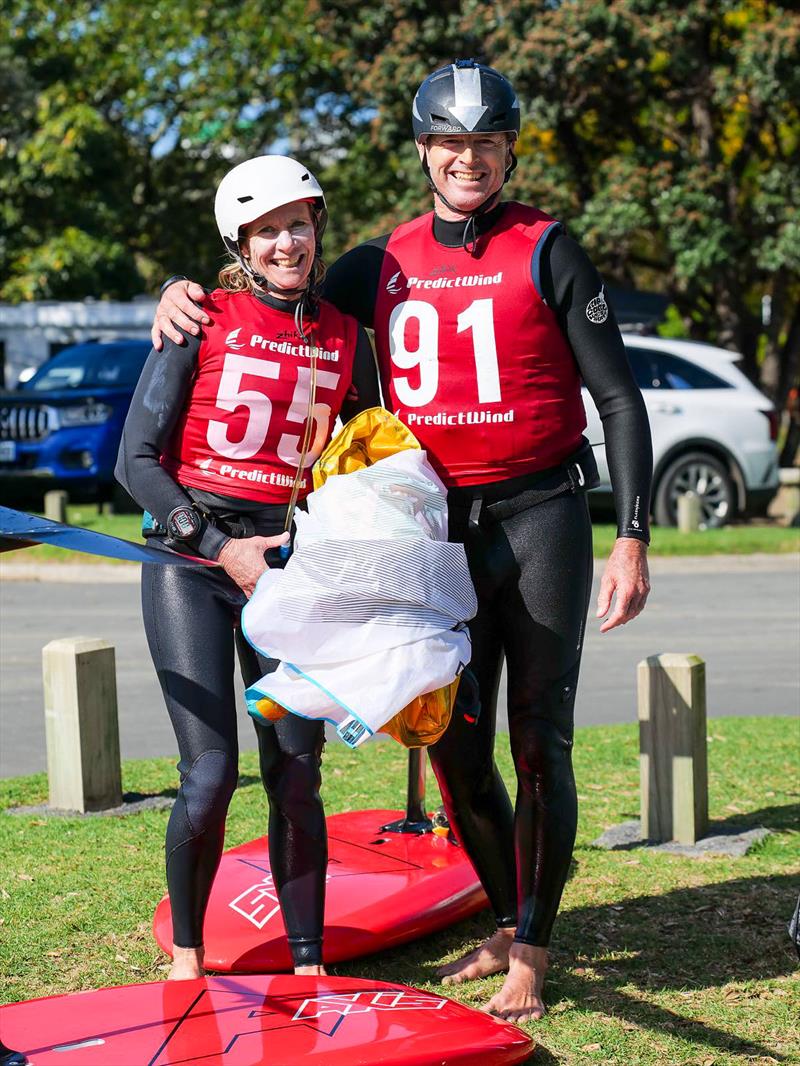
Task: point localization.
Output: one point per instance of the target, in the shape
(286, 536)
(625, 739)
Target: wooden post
(672, 744)
(689, 512)
(80, 709)
(55, 505)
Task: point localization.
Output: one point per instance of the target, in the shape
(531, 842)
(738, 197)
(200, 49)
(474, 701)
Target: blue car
(61, 428)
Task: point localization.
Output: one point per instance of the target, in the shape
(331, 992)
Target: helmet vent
(244, 199)
(304, 177)
(440, 118)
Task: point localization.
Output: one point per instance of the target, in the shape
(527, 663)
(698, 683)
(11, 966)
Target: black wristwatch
(184, 523)
(171, 281)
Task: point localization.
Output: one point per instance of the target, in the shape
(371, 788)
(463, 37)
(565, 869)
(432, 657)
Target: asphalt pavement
(740, 614)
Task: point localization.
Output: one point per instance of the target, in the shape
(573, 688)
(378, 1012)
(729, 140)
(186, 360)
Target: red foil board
(244, 1021)
(382, 889)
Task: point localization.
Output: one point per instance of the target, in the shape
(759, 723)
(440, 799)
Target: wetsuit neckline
(287, 306)
(451, 234)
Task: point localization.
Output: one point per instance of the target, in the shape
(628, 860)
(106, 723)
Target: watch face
(184, 523)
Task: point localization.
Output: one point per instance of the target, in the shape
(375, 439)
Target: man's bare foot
(310, 971)
(187, 963)
(491, 957)
(520, 998)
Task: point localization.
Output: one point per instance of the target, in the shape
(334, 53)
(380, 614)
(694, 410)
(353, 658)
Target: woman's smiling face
(281, 244)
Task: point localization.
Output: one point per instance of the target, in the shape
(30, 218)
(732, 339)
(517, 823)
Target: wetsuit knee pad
(292, 784)
(207, 788)
(541, 739)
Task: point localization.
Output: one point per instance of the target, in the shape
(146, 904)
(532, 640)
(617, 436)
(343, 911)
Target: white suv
(713, 432)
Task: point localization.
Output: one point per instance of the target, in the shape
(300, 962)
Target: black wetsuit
(191, 617)
(532, 569)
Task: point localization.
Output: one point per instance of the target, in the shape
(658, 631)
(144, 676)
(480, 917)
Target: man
(487, 317)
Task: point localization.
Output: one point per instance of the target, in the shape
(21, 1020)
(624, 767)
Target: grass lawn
(735, 540)
(657, 960)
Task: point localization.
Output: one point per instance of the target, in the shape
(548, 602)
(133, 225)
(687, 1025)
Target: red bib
(241, 428)
(471, 358)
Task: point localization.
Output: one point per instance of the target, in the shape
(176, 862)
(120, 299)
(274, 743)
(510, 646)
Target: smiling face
(466, 168)
(281, 245)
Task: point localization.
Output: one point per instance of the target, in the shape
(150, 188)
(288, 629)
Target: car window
(68, 373)
(119, 366)
(641, 365)
(88, 366)
(672, 372)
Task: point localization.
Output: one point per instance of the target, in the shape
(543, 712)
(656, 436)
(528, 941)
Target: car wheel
(704, 474)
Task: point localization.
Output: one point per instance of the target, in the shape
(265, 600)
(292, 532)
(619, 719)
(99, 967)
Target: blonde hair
(234, 278)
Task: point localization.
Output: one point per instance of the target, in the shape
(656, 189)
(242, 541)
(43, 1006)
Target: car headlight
(89, 414)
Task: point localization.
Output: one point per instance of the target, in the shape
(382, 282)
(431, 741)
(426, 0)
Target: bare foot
(310, 971)
(491, 957)
(520, 998)
(187, 963)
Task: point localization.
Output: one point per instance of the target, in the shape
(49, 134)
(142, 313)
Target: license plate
(8, 451)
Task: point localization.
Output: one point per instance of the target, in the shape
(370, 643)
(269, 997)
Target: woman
(217, 447)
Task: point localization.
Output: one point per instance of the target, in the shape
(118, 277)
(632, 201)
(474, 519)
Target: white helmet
(259, 185)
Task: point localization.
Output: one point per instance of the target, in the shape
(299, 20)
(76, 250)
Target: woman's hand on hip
(243, 560)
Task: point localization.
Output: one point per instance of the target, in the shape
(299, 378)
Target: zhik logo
(231, 339)
(392, 284)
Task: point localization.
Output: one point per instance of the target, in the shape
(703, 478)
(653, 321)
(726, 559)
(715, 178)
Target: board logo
(364, 1002)
(258, 903)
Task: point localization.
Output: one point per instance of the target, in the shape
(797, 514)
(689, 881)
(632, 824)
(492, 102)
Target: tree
(118, 122)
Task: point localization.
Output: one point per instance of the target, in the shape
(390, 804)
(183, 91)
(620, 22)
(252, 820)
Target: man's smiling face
(466, 168)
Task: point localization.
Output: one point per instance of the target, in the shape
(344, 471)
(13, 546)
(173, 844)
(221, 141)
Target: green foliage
(69, 265)
(120, 121)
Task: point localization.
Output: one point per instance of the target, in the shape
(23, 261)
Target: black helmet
(466, 97)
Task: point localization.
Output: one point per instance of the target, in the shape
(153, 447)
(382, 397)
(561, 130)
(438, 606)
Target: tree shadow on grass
(687, 939)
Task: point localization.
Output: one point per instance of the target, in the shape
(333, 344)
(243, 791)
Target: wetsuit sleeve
(351, 284)
(569, 282)
(156, 406)
(364, 392)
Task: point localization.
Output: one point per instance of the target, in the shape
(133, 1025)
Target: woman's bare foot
(310, 971)
(491, 957)
(187, 963)
(520, 998)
